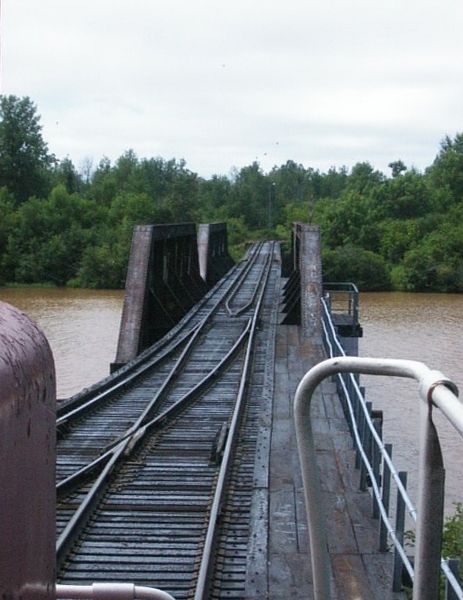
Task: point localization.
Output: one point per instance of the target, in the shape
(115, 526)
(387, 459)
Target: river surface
(82, 328)
(424, 327)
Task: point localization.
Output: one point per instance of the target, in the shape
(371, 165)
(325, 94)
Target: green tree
(6, 227)
(49, 236)
(333, 183)
(103, 185)
(363, 177)
(250, 197)
(352, 263)
(447, 169)
(397, 237)
(397, 167)
(403, 197)
(24, 158)
(436, 263)
(181, 198)
(351, 219)
(65, 173)
(103, 266)
(214, 198)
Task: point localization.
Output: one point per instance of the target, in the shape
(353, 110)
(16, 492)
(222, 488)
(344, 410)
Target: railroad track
(151, 489)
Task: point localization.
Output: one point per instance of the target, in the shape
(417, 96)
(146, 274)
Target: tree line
(403, 231)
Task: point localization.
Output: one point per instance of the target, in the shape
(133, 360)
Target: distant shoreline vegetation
(399, 232)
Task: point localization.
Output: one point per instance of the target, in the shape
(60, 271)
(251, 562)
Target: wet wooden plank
(282, 526)
(351, 577)
(290, 577)
(359, 571)
(257, 566)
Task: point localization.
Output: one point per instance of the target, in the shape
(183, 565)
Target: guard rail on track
(374, 459)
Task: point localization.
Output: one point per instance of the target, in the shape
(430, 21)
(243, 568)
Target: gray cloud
(222, 84)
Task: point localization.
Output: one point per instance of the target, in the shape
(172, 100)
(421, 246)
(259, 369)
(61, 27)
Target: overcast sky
(221, 84)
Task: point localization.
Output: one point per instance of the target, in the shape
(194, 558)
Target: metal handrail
(344, 287)
(436, 391)
(330, 333)
(347, 286)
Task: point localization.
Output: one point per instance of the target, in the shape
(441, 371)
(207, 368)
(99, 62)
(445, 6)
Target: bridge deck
(359, 570)
(140, 457)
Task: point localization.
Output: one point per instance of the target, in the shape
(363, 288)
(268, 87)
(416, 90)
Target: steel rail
(236, 286)
(93, 402)
(150, 521)
(203, 581)
(77, 477)
(74, 479)
(99, 462)
(136, 433)
(136, 366)
(173, 410)
(147, 364)
(132, 438)
(114, 457)
(124, 448)
(240, 310)
(79, 518)
(435, 390)
(144, 417)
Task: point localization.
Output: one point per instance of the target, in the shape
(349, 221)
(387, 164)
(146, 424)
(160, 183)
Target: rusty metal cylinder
(27, 459)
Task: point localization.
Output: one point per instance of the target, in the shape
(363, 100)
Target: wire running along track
(150, 488)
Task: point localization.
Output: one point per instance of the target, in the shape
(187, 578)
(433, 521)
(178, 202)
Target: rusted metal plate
(27, 458)
(163, 282)
(135, 295)
(214, 260)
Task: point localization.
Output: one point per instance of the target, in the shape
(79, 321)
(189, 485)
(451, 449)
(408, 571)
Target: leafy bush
(352, 263)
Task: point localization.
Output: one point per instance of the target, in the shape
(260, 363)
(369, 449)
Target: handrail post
(27, 459)
(430, 510)
(398, 565)
(311, 484)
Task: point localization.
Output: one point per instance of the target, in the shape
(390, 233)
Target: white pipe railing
(110, 591)
(330, 334)
(435, 391)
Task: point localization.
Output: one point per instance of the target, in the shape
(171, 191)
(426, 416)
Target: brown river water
(81, 325)
(424, 327)
(82, 328)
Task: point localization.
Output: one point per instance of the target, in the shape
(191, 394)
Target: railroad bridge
(178, 475)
